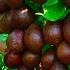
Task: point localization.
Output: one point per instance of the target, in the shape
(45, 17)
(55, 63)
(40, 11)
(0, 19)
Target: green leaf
(3, 37)
(54, 10)
(46, 48)
(68, 67)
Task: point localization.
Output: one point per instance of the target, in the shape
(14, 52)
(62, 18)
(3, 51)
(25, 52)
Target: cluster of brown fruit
(26, 39)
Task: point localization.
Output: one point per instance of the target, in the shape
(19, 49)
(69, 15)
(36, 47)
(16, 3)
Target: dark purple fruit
(58, 66)
(39, 1)
(22, 18)
(66, 29)
(12, 60)
(33, 38)
(3, 6)
(14, 3)
(47, 60)
(15, 41)
(30, 59)
(67, 2)
(53, 33)
(22, 67)
(63, 53)
(5, 22)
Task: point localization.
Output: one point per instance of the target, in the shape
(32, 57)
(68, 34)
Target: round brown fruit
(12, 60)
(47, 60)
(22, 18)
(33, 38)
(30, 59)
(58, 66)
(5, 22)
(15, 41)
(66, 29)
(3, 6)
(63, 53)
(53, 33)
(14, 3)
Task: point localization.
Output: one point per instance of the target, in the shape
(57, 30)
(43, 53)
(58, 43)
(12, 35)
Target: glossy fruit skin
(57, 66)
(33, 38)
(22, 18)
(52, 33)
(15, 41)
(3, 6)
(67, 2)
(14, 3)
(39, 1)
(47, 60)
(22, 67)
(30, 59)
(63, 53)
(12, 60)
(66, 29)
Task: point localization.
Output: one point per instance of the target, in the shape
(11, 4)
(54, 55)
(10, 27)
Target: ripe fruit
(5, 22)
(3, 6)
(22, 18)
(12, 60)
(15, 41)
(67, 2)
(13, 3)
(63, 53)
(30, 59)
(66, 29)
(47, 60)
(33, 38)
(58, 66)
(52, 33)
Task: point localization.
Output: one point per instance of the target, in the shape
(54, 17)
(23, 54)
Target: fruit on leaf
(63, 53)
(52, 33)
(14, 3)
(12, 60)
(47, 60)
(15, 41)
(3, 6)
(67, 2)
(30, 60)
(57, 66)
(33, 38)
(66, 29)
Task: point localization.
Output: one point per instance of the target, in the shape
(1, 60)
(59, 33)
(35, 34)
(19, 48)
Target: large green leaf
(54, 10)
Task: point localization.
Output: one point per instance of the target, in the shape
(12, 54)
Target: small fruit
(63, 53)
(52, 33)
(30, 59)
(22, 18)
(47, 60)
(14, 3)
(15, 41)
(12, 60)
(33, 38)
(58, 66)
(66, 29)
